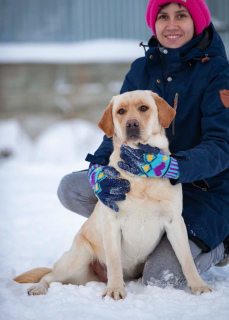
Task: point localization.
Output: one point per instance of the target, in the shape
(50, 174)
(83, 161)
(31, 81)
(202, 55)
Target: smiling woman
(185, 64)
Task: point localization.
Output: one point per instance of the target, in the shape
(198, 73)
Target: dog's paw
(115, 293)
(198, 290)
(37, 289)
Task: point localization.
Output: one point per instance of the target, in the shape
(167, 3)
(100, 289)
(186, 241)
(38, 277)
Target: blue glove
(148, 162)
(107, 186)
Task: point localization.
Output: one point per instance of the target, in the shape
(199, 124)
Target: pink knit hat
(197, 8)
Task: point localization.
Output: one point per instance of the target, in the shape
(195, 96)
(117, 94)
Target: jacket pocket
(201, 184)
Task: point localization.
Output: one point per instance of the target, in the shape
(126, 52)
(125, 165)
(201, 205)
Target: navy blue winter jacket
(198, 75)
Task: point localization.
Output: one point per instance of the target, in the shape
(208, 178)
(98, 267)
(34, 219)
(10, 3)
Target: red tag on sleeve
(224, 96)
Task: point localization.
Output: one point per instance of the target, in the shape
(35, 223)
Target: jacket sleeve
(211, 156)
(102, 154)
(136, 77)
(128, 84)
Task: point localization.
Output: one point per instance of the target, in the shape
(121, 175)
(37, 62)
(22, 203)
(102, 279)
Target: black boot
(226, 245)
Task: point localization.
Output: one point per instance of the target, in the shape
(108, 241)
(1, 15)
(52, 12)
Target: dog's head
(135, 116)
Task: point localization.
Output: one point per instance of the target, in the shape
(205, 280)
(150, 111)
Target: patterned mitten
(148, 162)
(107, 186)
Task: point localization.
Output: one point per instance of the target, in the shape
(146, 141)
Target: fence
(77, 20)
(71, 20)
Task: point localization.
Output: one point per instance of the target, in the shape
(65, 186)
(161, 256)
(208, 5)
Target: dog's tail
(32, 276)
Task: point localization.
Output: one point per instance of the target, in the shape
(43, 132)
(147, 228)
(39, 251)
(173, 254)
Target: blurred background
(62, 61)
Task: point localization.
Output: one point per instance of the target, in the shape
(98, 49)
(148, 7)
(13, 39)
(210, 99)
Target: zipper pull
(175, 108)
(175, 101)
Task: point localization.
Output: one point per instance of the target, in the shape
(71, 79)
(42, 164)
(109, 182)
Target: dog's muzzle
(132, 129)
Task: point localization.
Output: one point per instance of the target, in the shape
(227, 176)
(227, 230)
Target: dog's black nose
(132, 129)
(132, 123)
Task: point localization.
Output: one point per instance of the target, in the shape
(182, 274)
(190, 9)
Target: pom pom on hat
(197, 8)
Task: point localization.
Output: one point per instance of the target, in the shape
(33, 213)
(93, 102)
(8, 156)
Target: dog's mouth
(133, 135)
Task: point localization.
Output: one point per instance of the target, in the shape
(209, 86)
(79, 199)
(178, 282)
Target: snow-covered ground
(36, 230)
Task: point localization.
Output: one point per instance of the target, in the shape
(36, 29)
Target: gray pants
(162, 267)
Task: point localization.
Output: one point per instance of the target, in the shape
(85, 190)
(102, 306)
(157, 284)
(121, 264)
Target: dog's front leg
(112, 246)
(178, 237)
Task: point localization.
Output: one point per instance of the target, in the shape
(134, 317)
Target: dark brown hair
(166, 4)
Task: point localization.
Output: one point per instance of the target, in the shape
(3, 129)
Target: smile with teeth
(173, 37)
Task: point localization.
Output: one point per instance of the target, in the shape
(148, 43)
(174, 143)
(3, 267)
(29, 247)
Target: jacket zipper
(175, 108)
(173, 132)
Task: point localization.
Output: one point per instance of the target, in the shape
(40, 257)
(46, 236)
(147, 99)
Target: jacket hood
(207, 44)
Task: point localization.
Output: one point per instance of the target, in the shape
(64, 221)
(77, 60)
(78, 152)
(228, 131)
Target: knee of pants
(76, 194)
(162, 277)
(162, 267)
(63, 191)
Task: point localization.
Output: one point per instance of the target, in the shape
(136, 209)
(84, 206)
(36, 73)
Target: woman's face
(174, 26)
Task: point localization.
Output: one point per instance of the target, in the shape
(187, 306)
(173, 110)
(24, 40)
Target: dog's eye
(121, 111)
(143, 108)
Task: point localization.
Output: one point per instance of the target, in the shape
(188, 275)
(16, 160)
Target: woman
(186, 65)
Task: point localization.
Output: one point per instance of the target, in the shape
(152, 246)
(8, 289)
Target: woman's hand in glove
(107, 185)
(148, 161)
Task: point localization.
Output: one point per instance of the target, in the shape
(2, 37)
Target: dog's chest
(142, 218)
(141, 228)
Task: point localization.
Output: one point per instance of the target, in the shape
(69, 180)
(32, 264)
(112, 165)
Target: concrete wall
(36, 93)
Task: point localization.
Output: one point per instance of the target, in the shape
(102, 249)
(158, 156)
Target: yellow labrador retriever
(122, 241)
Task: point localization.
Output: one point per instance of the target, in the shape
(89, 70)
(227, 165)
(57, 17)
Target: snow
(103, 51)
(36, 229)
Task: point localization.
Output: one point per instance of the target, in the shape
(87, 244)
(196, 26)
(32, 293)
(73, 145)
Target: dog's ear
(106, 123)
(166, 113)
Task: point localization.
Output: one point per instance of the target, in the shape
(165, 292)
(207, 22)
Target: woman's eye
(143, 108)
(162, 17)
(180, 16)
(121, 111)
